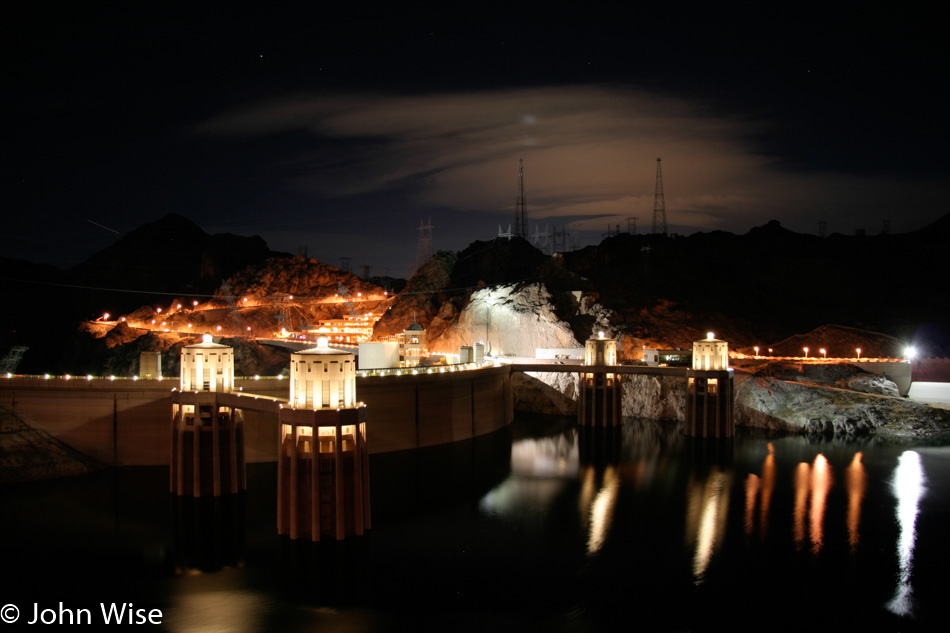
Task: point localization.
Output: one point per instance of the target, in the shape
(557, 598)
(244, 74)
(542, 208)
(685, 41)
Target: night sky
(341, 136)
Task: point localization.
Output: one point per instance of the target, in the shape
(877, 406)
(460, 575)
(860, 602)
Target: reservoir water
(539, 527)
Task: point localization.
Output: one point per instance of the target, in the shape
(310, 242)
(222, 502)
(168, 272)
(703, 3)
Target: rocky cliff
(654, 397)
(298, 276)
(831, 399)
(769, 403)
(511, 320)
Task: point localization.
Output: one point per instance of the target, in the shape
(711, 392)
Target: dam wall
(127, 422)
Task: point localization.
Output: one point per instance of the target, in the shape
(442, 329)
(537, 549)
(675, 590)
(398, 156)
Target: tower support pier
(322, 459)
(207, 437)
(322, 474)
(600, 395)
(710, 387)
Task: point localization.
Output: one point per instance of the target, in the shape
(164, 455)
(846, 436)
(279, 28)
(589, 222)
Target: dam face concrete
(126, 422)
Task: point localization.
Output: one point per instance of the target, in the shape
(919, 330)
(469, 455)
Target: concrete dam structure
(126, 422)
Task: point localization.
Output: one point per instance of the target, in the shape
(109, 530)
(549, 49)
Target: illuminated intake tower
(207, 449)
(322, 460)
(710, 386)
(600, 395)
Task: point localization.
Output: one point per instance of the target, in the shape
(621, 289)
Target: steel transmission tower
(424, 249)
(521, 207)
(659, 206)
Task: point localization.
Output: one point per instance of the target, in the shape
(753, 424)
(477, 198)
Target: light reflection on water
(706, 519)
(856, 479)
(562, 531)
(822, 489)
(908, 487)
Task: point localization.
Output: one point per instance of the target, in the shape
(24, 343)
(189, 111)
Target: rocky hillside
(149, 265)
(839, 399)
(839, 342)
(764, 288)
(770, 403)
(767, 288)
(298, 276)
(172, 255)
(28, 454)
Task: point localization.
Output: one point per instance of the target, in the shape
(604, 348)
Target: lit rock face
(645, 397)
(841, 375)
(549, 393)
(654, 397)
(604, 318)
(874, 384)
(297, 276)
(769, 403)
(513, 320)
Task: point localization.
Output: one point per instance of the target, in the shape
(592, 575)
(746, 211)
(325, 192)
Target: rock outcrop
(654, 397)
(512, 320)
(297, 276)
(28, 454)
(548, 393)
(424, 300)
(841, 375)
(770, 403)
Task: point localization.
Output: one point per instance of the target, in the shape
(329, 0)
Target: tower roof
(323, 349)
(206, 343)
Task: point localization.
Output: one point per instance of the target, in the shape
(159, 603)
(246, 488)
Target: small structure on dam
(150, 365)
(322, 459)
(207, 447)
(710, 387)
(600, 395)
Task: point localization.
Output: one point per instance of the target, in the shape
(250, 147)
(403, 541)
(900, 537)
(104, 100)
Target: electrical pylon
(424, 247)
(659, 206)
(521, 207)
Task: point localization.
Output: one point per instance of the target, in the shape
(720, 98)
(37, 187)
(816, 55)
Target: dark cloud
(589, 154)
(341, 136)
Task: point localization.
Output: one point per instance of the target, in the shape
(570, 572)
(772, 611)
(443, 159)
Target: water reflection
(659, 539)
(820, 485)
(856, 481)
(545, 457)
(539, 469)
(811, 482)
(209, 532)
(542, 469)
(602, 509)
(217, 608)
(760, 487)
(708, 510)
(908, 486)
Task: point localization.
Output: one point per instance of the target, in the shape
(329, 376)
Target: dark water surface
(535, 528)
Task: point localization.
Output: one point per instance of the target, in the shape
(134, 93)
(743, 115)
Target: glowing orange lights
(812, 483)
(856, 483)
